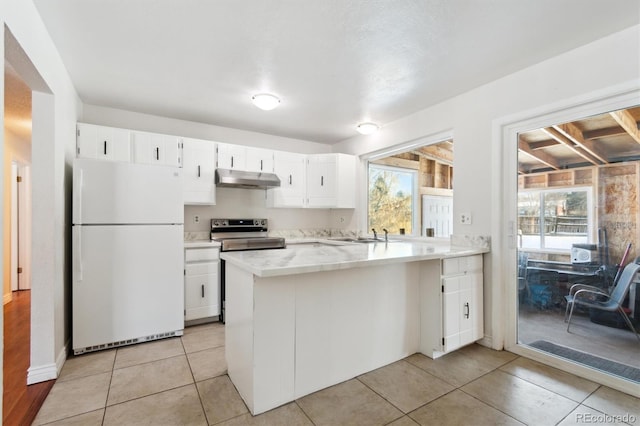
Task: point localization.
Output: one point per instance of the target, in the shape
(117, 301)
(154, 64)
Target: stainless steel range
(244, 234)
(241, 234)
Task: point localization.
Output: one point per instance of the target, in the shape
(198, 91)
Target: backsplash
(314, 233)
(479, 241)
(286, 233)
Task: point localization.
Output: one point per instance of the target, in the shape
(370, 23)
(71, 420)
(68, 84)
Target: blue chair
(597, 298)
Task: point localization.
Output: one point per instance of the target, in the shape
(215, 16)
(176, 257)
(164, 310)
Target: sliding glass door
(578, 223)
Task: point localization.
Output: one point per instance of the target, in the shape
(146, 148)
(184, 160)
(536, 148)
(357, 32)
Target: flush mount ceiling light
(265, 101)
(367, 128)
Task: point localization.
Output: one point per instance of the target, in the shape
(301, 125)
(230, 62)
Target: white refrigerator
(127, 245)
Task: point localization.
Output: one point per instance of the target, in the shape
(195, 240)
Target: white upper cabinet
(153, 148)
(331, 180)
(233, 157)
(314, 181)
(198, 171)
(259, 160)
(107, 143)
(291, 169)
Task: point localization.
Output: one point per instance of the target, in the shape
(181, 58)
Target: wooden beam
(436, 158)
(569, 144)
(398, 162)
(627, 122)
(444, 152)
(574, 134)
(603, 133)
(542, 157)
(542, 144)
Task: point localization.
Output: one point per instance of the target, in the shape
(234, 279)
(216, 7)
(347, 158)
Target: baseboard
(487, 341)
(49, 371)
(7, 298)
(62, 357)
(41, 373)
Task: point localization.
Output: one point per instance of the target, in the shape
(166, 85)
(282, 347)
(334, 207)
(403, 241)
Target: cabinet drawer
(203, 268)
(461, 265)
(200, 254)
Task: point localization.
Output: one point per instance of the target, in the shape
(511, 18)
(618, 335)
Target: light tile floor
(183, 381)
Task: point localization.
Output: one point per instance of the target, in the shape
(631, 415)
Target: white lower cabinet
(455, 303)
(201, 283)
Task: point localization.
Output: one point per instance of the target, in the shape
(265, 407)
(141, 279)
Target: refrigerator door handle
(78, 196)
(78, 255)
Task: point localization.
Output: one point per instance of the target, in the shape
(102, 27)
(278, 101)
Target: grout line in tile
(303, 412)
(149, 362)
(194, 380)
(144, 396)
(552, 391)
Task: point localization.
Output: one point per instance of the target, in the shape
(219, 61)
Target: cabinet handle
(202, 287)
(158, 153)
(321, 180)
(105, 147)
(466, 307)
(198, 170)
(290, 180)
(260, 165)
(232, 161)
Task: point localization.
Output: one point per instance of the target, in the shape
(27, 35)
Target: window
(392, 199)
(554, 219)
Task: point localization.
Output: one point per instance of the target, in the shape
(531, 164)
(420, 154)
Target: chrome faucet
(375, 234)
(385, 234)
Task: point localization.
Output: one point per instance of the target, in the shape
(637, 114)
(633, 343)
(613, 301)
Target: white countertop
(200, 243)
(303, 258)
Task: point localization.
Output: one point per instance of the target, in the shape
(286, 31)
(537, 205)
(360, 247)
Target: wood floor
(20, 403)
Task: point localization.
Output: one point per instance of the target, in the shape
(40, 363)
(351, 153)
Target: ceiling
(602, 139)
(333, 63)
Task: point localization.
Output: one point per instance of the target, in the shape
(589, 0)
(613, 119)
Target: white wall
(608, 62)
(56, 107)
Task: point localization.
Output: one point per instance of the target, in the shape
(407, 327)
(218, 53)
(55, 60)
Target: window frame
(589, 190)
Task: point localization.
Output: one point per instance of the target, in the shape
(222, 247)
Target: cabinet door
(291, 169)
(462, 301)
(451, 313)
(259, 160)
(201, 291)
(153, 148)
(198, 171)
(231, 156)
(107, 143)
(321, 181)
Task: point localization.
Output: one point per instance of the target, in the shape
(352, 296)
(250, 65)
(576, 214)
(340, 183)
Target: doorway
(20, 226)
(571, 182)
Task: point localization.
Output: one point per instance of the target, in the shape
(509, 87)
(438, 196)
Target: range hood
(241, 179)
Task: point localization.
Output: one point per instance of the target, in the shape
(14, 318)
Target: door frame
(504, 225)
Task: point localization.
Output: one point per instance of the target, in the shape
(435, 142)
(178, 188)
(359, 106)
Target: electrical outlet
(465, 218)
(196, 219)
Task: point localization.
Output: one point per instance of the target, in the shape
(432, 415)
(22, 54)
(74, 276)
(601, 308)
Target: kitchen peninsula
(307, 317)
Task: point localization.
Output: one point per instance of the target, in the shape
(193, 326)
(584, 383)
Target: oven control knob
(256, 222)
(216, 223)
(264, 222)
(225, 223)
